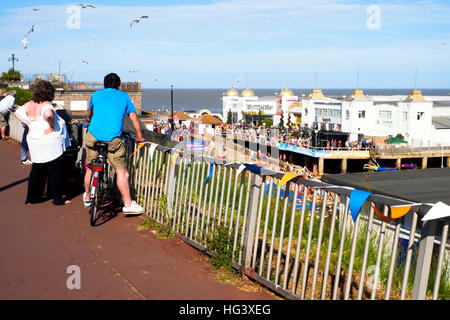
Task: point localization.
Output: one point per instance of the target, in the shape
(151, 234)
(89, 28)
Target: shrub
(22, 95)
(11, 75)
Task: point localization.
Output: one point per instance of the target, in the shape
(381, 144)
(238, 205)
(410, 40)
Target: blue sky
(210, 44)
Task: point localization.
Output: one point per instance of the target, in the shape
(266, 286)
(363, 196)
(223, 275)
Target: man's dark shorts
(3, 120)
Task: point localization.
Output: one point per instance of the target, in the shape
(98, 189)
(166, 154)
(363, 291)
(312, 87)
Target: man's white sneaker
(134, 208)
(27, 162)
(87, 203)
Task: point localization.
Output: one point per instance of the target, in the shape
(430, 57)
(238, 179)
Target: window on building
(420, 115)
(405, 115)
(347, 115)
(385, 114)
(362, 114)
(318, 112)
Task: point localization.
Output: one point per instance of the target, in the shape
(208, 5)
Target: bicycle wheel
(94, 209)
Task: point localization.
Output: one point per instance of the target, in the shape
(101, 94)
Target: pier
(342, 160)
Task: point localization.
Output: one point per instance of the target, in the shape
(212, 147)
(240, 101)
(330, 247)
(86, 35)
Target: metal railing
(412, 151)
(298, 239)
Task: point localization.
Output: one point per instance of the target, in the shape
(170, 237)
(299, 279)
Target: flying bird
(25, 42)
(31, 30)
(137, 20)
(84, 6)
(133, 71)
(35, 9)
(84, 61)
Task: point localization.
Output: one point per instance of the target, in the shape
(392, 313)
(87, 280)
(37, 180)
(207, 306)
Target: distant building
(421, 120)
(411, 116)
(247, 105)
(75, 96)
(206, 124)
(199, 113)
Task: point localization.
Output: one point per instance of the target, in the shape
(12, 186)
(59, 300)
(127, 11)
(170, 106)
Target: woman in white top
(47, 140)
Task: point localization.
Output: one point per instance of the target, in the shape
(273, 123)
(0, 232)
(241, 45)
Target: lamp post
(13, 59)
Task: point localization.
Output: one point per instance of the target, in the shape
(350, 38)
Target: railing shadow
(13, 184)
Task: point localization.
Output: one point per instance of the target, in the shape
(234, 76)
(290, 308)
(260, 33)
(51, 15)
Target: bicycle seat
(100, 146)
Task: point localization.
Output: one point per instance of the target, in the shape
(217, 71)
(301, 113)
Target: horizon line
(255, 88)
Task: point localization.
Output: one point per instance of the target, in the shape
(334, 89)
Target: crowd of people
(307, 141)
(263, 135)
(46, 138)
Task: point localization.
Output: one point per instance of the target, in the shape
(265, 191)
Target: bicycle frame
(96, 185)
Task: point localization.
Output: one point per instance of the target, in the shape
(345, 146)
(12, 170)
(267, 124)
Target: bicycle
(99, 189)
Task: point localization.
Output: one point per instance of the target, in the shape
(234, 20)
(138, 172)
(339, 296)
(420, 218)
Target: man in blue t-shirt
(107, 109)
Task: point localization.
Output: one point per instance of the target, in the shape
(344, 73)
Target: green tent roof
(395, 140)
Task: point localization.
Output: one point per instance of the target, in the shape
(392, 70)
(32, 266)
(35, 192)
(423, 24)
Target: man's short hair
(111, 80)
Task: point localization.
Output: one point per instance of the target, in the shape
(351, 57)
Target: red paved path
(39, 242)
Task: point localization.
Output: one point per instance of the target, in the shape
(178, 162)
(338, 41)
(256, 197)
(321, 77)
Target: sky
(234, 43)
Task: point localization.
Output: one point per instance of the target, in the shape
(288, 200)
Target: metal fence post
(424, 260)
(249, 234)
(170, 184)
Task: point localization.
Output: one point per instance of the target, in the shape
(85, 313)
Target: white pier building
(422, 120)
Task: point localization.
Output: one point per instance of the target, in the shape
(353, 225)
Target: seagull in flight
(137, 20)
(31, 30)
(35, 9)
(84, 61)
(84, 6)
(25, 42)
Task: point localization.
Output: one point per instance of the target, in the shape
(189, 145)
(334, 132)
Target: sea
(211, 99)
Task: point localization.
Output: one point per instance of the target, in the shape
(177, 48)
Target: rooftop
(441, 122)
(423, 186)
(207, 119)
(180, 115)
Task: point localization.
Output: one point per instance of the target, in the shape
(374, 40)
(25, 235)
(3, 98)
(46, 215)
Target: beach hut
(206, 124)
(182, 118)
